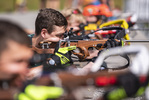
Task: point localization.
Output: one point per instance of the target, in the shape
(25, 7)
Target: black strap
(120, 34)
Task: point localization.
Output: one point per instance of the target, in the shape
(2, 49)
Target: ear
(44, 32)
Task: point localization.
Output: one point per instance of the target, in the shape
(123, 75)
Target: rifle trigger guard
(83, 54)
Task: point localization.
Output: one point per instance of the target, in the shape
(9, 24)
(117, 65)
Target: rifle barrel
(136, 40)
(139, 29)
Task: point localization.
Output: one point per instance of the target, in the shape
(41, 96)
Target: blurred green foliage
(62, 4)
(119, 4)
(9, 5)
(33, 4)
(6, 5)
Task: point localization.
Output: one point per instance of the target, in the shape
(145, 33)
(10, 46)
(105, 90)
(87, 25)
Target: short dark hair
(47, 18)
(11, 32)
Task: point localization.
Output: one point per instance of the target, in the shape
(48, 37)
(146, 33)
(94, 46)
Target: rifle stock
(45, 47)
(42, 51)
(83, 46)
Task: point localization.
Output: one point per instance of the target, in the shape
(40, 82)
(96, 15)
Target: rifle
(82, 47)
(71, 81)
(139, 29)
(105, 31)
(119, 22)
(45, 47)
(8, 94)
(82, 44)
(92, 30)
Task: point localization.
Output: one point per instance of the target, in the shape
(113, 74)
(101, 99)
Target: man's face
(14, 60)
(56, 35)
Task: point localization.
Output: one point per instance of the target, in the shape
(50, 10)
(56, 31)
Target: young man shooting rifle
(15, 54)
(14, 58)
(50, 25)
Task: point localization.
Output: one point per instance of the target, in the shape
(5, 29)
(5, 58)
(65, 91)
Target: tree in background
(21, 5)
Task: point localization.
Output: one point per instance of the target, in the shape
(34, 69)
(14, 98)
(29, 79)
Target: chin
(17, 81)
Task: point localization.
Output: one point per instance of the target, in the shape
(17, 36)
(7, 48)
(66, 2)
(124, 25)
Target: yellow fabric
(127, 37)
(140, 91)
(63, 59)
(117, 94)
(40, 93)
(90, 27)
(23, 96)
(122, 22)
(66, 49)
